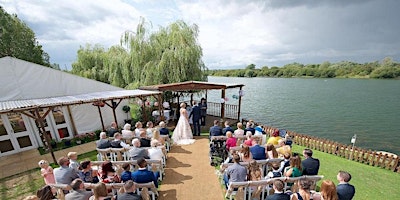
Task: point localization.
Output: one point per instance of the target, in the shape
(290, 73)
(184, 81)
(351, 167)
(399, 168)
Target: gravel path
(188, 174)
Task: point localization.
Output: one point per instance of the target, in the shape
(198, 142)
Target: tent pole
(74, 130)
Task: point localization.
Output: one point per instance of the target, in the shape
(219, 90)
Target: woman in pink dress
(183, 133)
(47, 172)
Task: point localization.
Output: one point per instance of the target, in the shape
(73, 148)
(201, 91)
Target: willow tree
(171, 54)
(90, 63)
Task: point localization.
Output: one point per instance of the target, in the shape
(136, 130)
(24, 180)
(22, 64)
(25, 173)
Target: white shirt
(155, 153)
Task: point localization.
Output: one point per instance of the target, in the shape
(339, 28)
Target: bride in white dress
(183, 132)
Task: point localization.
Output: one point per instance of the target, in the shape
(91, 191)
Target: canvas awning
(21, 105)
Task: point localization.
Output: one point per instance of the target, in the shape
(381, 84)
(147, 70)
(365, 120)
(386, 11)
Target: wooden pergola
(195, 86)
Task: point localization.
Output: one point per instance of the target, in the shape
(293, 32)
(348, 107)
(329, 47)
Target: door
(56, 123)
(15, 134)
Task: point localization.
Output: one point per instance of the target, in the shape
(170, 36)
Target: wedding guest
(144, 141)
(310, 165)
(274, 138)
(275, 171)
(285, 162)
(227, 128)
(327, 191)
(78, 191)
(47, 172)
(258, 152)
(157, 137)
(46, 193)
(271, 151)
(149, 130)
(139, 127)
(283, 148)
(254, 171)
(216, 130)
(250, 127)
(239, 132)
(64, 174)
(278, 186)
(103, 142)
(112, 130)
(245, 154)
(163, 129)
(143, 175)
(129, 193)
(87, 174)
(136, 152)
(231, 141)
(235, 172)
(345, 190)
(203, 107)
(100, 192)
(249, 140)
(304, 190)
(126, 132)
(73, 161)
(117, 142)
(107, 173)
(154, 152)
(126, 175)
(294, 169)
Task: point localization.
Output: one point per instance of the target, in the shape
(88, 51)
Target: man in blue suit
(345, 190)
(279, 194)
(143, 175)
(196, 115)
(258, 152)
(216, 130)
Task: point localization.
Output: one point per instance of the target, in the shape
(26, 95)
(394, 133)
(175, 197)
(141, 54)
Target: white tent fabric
(25, 84)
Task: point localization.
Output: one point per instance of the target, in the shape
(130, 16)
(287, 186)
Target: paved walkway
(188, 174)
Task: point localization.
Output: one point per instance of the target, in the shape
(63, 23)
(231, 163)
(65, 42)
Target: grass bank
(370, 182)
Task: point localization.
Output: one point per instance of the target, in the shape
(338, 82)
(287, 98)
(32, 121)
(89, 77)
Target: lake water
(335, 109)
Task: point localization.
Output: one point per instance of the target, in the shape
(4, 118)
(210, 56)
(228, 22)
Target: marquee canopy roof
(19, 105)
(190, 85)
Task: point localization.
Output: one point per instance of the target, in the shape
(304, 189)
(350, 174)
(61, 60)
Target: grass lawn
(370, 182)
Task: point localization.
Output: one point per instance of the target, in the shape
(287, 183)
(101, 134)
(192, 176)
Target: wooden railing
(231, 111)
(369, 157)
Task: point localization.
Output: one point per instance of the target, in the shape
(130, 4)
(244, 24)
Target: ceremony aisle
(188, 174)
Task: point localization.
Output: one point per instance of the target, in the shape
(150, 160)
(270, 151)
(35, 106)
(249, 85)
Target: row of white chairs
(261, 189)
(122, 154)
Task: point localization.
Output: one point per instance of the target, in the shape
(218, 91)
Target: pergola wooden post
(113, 106)
(223, 104)
(240, 102)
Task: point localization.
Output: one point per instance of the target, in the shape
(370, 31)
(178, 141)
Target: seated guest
(103, 143)
(239, 132)
(47, 172)
(274, 138)
(157, 137)
(231, 141)
(215, 130)
(100, 192)
(250, 127)
(129, 194)
(144, 141)
(46, 192)
(249, 140)
(254, 171)
(117, 142)
(275, 171)
(283, 148)
(126, 175)
(345, 190)
(154, 152)
(258, 152)
(64, 174)
(87, 174)
(107, 173)
(304, 190)
(112, 130)
(278, 186)
(143, 175)
(139, 127)
(294, 169)
(260, 132)
(310, 165)
(227, 128)
(136, 152)
(78, 191)
(285, 162)
(126, 132)
(163, 130)
(271, 151)
(149, 130)
(245, 154)
(235, 172)
(73, 161)
(327, 191)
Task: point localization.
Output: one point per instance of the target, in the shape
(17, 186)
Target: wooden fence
(369, 157)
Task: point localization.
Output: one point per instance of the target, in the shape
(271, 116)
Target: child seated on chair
(127, 174)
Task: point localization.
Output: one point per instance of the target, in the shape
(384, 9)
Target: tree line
(384, 69)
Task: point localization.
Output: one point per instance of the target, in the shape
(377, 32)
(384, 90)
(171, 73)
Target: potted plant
(53, 143)
(67, 142)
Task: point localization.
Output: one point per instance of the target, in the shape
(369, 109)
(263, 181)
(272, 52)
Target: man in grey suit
(129, 194)
(64, 174)
(78, 191)
(196, 114)
(103, 143)
(136, 152)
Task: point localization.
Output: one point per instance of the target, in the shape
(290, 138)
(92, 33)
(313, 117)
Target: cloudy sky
(233, 33)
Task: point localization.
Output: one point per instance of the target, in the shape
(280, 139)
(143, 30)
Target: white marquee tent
(68, 99)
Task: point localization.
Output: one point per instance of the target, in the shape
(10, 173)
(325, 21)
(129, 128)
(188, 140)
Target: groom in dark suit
(196, 115)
